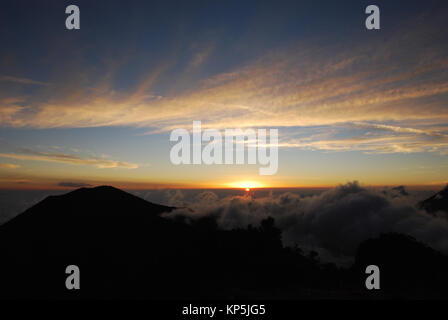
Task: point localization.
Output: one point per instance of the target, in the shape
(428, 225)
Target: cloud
(266, 95)
(175, 198)
(372, 85)
(379, 138)
(398, 129)
(335, 221)
(68, 159)
(74, 184)
(22, 80)
(9, 166)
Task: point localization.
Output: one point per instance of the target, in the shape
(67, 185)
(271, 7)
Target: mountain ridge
(436, 203)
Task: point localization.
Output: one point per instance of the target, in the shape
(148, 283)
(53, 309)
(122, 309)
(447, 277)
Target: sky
(97, 105)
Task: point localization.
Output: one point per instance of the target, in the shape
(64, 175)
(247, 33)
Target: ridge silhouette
(126, 249)
(437, 202)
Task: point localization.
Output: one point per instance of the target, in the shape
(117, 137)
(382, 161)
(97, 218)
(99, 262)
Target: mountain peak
(97, 190)
(437, 202)
(91, 206)
(101, 188)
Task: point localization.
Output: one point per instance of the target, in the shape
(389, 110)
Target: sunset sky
(97, 105)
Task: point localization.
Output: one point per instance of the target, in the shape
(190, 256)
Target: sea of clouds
(332, 222)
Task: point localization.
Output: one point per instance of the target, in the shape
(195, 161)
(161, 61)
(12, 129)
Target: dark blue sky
(35, 43)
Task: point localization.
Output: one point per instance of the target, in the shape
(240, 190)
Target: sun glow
(247, 185)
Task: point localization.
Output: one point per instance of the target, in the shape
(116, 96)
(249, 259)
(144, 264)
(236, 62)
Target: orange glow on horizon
(36, 183)
(247, 185)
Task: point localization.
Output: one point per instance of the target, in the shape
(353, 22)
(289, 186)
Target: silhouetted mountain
(126, 249)
(395, 192)
(88, 203)
(401, 190)
(97, 226)
(438, 202)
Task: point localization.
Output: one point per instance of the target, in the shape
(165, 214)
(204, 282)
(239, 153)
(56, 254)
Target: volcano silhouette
(101, 228)
(436, 203)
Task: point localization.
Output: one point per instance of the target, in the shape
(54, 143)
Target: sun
(246, 185)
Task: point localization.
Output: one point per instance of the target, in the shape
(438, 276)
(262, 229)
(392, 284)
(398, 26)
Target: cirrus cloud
(9, 166)
(396, 88)
(102, 163)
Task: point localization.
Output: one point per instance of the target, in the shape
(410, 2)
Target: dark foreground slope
(408, 268)
(126, 249)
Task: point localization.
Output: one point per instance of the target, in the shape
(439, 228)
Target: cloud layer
(74, 184)
(334, 222)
